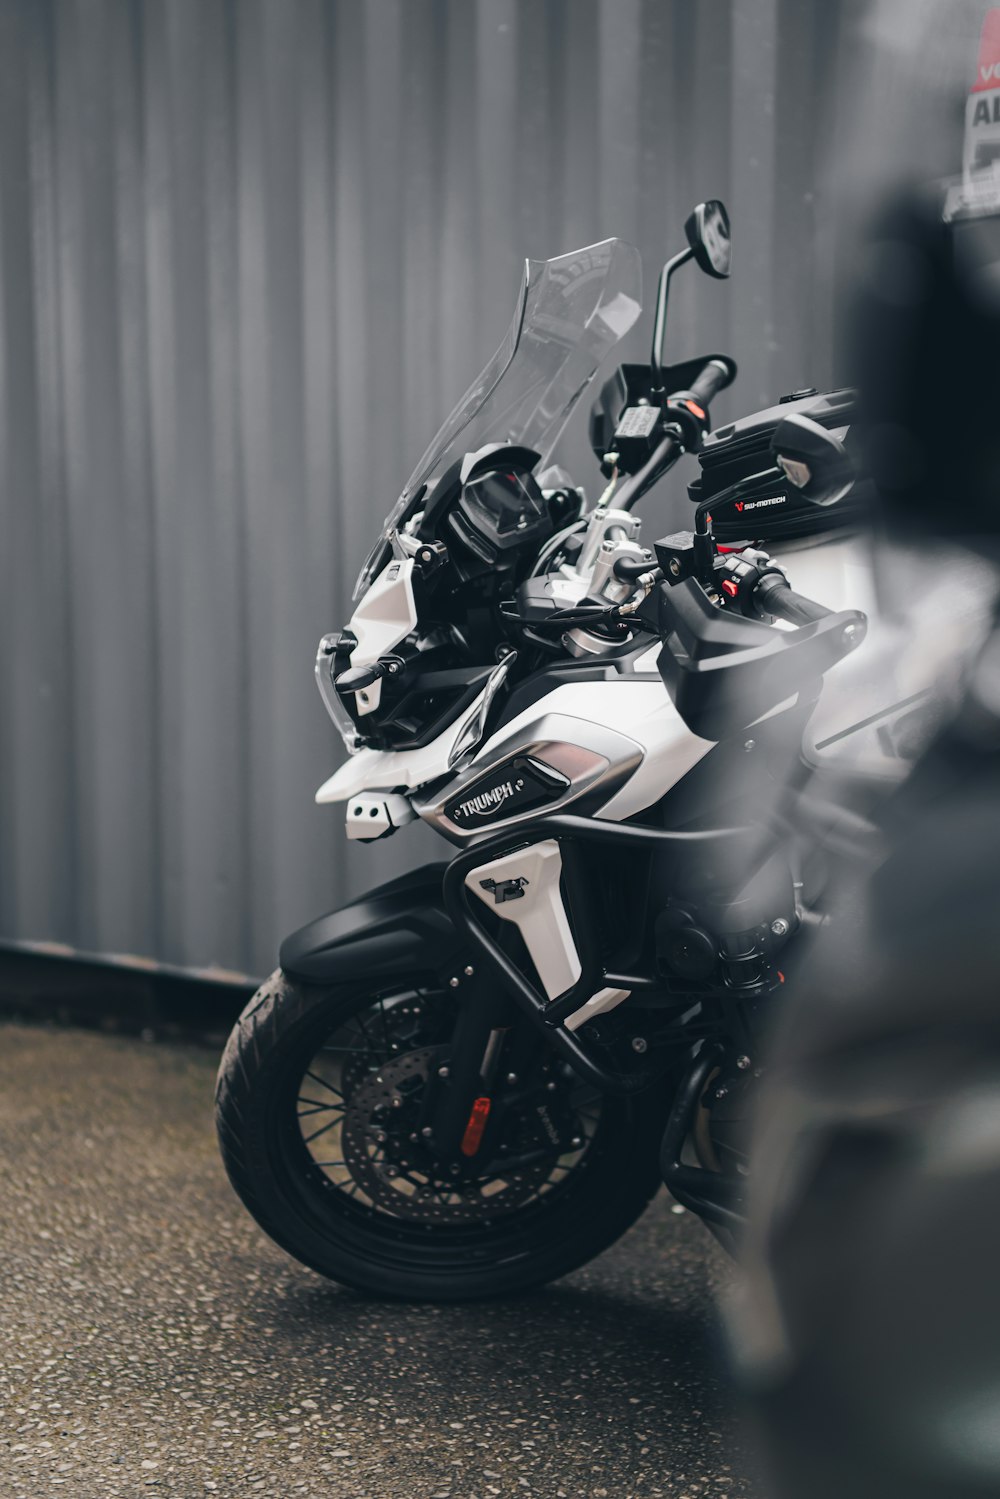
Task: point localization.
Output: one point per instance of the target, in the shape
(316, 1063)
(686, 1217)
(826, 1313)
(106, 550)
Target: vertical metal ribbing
(250, 254)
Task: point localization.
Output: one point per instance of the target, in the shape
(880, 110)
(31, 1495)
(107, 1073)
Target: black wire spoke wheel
(323, 1103)
(362, 1109)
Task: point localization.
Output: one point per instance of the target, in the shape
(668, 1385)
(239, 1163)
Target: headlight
(325, 659)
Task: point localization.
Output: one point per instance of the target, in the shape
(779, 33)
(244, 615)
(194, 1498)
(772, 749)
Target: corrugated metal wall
(250, 253)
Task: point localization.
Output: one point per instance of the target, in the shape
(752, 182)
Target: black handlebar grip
(773, 596)
(714, 377)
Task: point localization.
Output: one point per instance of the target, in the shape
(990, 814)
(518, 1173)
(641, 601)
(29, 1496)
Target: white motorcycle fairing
(383, 618)
(655, 749)
(649, 750)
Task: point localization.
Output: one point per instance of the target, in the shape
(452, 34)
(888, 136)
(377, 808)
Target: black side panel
(399, 928)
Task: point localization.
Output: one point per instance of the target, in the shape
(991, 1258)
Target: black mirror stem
(660, 324)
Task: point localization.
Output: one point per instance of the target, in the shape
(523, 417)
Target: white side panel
(640, 710)
(538, 914)
(598, 1004)
(671, 750)
(386, 614)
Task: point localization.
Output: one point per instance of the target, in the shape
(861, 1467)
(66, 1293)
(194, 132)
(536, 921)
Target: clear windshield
(570, 311)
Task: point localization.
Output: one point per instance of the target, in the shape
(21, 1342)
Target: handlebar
(773, 596)
(713, 378)
(663, 457)
(688, 412)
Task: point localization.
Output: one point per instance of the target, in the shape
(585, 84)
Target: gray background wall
(250, 253)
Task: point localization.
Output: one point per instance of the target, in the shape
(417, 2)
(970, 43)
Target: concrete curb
(116, 992)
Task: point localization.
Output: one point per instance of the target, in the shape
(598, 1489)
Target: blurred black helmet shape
(925, 326)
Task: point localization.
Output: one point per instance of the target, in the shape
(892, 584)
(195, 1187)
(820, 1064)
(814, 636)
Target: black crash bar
(569, 830)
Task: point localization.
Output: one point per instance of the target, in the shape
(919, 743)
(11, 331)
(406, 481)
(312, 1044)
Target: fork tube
(486, 1013)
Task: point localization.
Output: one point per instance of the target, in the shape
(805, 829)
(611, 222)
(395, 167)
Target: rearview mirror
(814, 461)
(709, 236)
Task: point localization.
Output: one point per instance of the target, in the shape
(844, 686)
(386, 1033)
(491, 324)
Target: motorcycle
(473, 1079)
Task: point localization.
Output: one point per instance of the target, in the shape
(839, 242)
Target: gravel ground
(156, 1342)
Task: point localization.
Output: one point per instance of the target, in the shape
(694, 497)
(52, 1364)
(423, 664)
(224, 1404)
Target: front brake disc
(401, 1175)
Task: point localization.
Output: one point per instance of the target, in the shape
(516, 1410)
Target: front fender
(397, 929)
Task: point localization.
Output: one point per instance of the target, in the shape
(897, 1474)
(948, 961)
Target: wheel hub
(394, 1166)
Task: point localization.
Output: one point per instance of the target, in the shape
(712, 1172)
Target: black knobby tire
(272, 1171)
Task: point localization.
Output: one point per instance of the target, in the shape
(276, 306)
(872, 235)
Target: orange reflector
(473, 1137)
(698, 411)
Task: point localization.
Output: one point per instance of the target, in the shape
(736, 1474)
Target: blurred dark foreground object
(926, 347)
(868, 1325)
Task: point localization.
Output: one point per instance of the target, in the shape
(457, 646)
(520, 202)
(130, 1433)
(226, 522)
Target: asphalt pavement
(155, 1342)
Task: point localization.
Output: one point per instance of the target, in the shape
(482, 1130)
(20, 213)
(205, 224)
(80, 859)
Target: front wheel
(321, 1117)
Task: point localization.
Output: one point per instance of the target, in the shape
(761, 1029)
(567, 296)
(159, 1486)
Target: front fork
(460, 1108)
